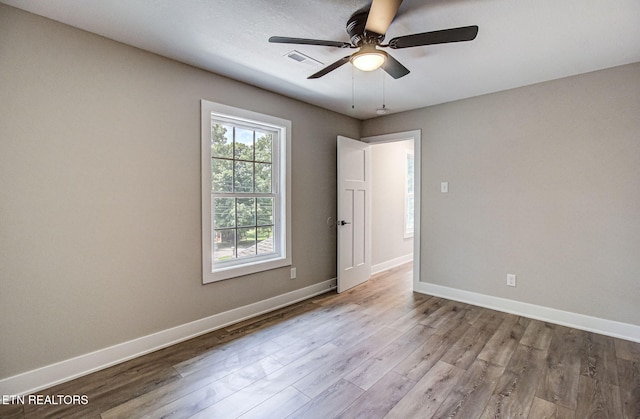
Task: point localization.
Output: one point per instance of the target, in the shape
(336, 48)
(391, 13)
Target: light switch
(444, 187)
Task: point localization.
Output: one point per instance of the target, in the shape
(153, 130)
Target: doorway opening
(392, 204)
(395, 212)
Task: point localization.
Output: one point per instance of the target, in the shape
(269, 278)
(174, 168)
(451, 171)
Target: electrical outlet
(293, 273)
(511, 280)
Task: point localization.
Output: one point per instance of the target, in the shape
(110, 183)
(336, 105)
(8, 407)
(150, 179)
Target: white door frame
(414, 135)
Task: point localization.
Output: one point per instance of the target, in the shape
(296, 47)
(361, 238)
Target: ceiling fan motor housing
(357, 32)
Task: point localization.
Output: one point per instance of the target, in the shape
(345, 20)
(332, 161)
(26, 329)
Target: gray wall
(388, 161)
(544, 182)
(100, 193)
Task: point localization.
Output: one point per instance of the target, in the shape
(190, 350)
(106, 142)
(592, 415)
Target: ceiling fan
(367, 29)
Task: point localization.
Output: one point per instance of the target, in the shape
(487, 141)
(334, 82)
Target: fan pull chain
(383, 92)
(353, 88)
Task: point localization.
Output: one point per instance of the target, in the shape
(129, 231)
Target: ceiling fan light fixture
(368, 58)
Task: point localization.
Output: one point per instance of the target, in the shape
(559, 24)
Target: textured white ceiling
(518, 43)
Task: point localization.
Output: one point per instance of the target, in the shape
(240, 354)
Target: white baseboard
(50, 375)
(391, 263)
(565, 318)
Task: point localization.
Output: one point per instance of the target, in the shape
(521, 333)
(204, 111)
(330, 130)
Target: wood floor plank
(102, 396)
(183, 404)
(598, 399)
(188, 405)
(421, 360)
(322, 323)
(152, 400)
(369, 371)
(392, 306)
(453, 329)
(225, 362)
(262, 390)
(561, 373)
(542, 409)
(269, 319)
(469, 397)
(538, 335)
(628, 350)
(464, 352)
(334, 327)
(434, 304)
(629, 378)
(380, 301)
(343, 362)
(376, 285)
(513, 396)
(222, 352)
(330, 403)
(359, 331)
(450, 312)
(11, 411)
(504, 342)
(424, 399)
(415, 315)
(281, 405)
(380, 398)
(598, 359)
(487, 319)
(262, 330)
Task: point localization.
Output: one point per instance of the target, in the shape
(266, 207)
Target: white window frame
(282, 182)
(408, 231)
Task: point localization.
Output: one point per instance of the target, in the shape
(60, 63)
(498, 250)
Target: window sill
(245, 269)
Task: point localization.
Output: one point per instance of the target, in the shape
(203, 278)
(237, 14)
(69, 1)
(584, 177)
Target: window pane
(244, 144)
(224, 212)
(224, 245)
(246, 212)
(409, 214)
(265, 240)
(244, 176)
(221, 141)
(263, 177)
(265, 211)
(409, 173)
(221, 175)
(263, 147)
(246, 242)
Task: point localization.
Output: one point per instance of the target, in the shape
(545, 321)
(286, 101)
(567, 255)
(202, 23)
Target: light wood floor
(376, 351)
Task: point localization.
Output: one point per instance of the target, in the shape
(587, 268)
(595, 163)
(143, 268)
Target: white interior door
(354, 209)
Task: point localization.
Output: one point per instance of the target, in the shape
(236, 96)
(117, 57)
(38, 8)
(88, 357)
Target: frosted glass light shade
(368, 59)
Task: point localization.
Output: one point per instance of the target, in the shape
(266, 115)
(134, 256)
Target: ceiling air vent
(302, 58)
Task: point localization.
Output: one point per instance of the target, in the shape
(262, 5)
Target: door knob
(343, 222)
